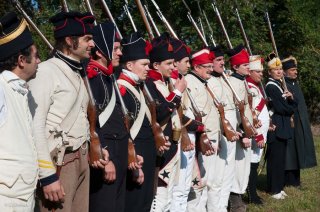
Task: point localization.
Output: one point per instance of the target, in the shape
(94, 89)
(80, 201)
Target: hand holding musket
(186, 144)
(159, 138)
(203, 143)
(228, 130)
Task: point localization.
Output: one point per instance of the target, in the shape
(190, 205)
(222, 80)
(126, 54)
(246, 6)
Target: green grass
(307, 198)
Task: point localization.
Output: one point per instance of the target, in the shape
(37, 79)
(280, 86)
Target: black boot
(236, 204)
(252, 185)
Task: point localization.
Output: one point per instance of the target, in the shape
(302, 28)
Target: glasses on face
(207, 66)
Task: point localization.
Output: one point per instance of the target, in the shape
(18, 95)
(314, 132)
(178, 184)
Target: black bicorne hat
(180, 50)
(134, 47)
(14, 35)
(72, 24)
(217, 51)
(104, 36)
(161, 49)
(289, 62)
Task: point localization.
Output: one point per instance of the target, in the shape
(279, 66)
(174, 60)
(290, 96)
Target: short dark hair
(11, 62)
(61, 44)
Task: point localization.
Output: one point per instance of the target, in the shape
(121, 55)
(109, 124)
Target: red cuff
(171, 96)
(200, 128)
(259, 138)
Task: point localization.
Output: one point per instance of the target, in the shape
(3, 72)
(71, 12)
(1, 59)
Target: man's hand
(109, 172)
(236, 137)
(102, 162)
(246, 142)
(54, 192)
(165, 147)
(138, 176)
(260, 144)
(136, 165)
(181, 84)
(288, 95)
(258, 125)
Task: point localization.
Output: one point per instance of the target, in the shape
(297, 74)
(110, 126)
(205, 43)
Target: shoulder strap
(106, 113)
(144, 110)
(275, 84)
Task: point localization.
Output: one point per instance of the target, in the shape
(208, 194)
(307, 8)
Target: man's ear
(235, 67)
(21, 61)
(156, 65)
(68, 40)
(129, 65)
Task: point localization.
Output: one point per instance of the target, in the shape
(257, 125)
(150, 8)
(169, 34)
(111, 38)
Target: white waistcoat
(18, 157)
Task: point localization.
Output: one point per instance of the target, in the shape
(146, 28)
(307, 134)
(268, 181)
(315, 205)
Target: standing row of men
(213, 127)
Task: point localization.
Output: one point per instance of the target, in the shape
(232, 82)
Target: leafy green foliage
(295, 25)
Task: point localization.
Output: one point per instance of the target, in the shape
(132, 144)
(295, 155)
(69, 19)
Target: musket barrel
(154, 26)
(89, 8)
(145, 19)
(244, 35)
(105, 8)
(126, 9)
(18, 6)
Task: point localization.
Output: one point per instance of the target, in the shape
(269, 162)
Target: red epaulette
(122, 89)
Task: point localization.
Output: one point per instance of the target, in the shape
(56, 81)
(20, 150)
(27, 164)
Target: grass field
(306, 198)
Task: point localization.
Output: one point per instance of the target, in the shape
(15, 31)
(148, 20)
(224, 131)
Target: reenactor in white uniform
(239, 61)
(204, 194)
(259, 104)
(18, 157)
(182, 188)
(228, 147)
(61, 127)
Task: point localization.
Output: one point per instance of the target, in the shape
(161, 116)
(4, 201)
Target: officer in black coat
(300, 149)
(282, 107)
(108, 184)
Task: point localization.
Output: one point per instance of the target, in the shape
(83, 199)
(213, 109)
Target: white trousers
(163, 198)
(242, 169)
(212, 168)
(8, 204)
(182, 188)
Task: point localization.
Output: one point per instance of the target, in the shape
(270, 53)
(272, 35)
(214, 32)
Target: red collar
(94, 68)
(128, 79)
(156, 75)
(249, 79)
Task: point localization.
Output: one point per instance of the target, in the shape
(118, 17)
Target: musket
(249, 130)
(209, 27)
(18, 6)
(164, 20)
(274, 46)
(95, 152)
(145, 19)
(89, 8)
(246, 41)
(199, 19)
(64, 6)
(194, 24)
(106, 10)
(156, 128)
(126, 9)
(128, 120)
(151, 20)
(227, 128)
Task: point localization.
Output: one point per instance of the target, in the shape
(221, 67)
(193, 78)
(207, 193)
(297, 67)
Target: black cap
(14, 35)
(217, 51)
(161, 48)
(72, 24)
(289, 62)
(134, 47)
(180, 49)
(104, 36)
